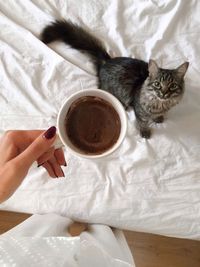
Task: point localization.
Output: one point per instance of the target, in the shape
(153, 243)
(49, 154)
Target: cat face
(167, 84)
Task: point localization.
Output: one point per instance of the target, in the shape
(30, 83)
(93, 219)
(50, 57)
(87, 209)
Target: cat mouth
(166, 97)
(161, 97)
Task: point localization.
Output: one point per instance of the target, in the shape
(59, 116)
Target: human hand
(18, 151)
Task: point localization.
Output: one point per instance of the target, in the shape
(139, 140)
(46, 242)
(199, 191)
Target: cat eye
(174, 86)
(156, 84)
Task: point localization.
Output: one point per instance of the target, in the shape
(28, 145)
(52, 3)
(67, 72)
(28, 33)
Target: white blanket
(151, 186)
(45, 240)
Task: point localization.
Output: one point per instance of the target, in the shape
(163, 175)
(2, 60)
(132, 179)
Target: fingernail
(40, 165)
(50, 133)
(63, 173)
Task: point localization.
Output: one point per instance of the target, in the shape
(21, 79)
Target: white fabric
(44, 240)
(151, 186)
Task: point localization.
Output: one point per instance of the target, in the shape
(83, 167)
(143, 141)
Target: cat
(150, 90)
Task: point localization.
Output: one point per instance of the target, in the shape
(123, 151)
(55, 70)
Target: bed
(146, 185)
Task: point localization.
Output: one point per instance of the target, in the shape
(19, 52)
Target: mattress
(146, 185)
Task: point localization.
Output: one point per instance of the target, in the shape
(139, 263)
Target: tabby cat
(150, 90)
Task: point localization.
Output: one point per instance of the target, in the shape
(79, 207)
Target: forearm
(4, 194)
(11, 176)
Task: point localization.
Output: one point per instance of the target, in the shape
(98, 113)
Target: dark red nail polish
(50, 133)
(63, 173)
(39, 165)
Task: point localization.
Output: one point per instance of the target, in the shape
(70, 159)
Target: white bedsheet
(151, 186)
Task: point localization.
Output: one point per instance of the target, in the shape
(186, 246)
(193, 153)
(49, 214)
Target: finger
(49, 169)
(38, 147)
(46, 156)
(24, 138)
(15, 142)
(56, 167)
(59, 155)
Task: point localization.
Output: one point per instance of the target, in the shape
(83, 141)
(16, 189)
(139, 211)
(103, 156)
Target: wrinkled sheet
(150, 186)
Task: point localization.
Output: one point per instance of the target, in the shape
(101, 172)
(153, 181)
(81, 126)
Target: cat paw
(159, 119)
(145, 133)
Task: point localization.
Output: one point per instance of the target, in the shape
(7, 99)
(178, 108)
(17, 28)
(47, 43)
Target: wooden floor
(148, 250)
(159, 251)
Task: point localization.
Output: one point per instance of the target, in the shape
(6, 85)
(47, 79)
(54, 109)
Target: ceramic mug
(63, 139)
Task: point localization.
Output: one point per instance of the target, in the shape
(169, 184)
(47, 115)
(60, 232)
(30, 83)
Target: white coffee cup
(63, 139)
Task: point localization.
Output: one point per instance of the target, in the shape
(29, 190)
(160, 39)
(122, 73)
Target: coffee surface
(92, 125)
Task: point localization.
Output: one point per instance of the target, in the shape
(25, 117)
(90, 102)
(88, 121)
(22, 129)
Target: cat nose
(164, 89)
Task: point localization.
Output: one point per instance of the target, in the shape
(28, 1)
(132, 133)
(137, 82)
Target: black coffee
(92, 125)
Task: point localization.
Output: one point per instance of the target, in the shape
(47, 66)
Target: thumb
(38, 147)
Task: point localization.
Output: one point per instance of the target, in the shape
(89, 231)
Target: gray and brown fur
(150, 90)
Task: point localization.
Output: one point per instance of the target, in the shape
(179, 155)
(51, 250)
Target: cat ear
(181, 70)
(153, 68)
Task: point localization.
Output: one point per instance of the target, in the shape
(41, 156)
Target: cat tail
(77, 38)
